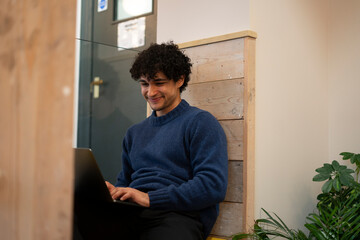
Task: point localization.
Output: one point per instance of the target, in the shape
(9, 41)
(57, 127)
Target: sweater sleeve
(207, 151)
(124, 177)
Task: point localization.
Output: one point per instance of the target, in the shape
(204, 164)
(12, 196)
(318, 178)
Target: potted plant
(337, 213)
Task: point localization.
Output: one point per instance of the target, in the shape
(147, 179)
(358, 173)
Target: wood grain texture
(223, 99)
(221, 61)
(223, 83)
(37, 56)
(249, 133)
(235, 182)
(216, 39)
(234, 130)
(230, 220)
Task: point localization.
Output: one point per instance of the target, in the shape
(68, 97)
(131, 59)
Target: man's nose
(152, 90)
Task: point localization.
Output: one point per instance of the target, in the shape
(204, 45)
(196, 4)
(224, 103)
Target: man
(175, 161)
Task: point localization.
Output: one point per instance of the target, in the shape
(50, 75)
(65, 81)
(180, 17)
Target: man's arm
(124, 177)
(129, 194)
(123, 192)
(209, 161)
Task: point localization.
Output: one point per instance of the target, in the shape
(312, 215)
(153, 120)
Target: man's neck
(162, 113)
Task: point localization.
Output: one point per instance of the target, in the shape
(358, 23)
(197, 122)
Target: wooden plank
(230, 220)
(234, 130)
(37, 56)
(235, 182)
(221, 61)
(223, 99)
(225, 37)
(249, 133)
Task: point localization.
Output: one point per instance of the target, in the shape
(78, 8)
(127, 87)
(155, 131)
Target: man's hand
(109, 186)
(130, 194)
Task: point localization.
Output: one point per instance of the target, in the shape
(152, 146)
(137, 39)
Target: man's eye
(144, 84)
(160, 83)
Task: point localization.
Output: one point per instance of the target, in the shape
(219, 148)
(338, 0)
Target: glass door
(109, 99)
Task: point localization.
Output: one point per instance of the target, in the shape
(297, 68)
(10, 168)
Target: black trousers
(114, 221)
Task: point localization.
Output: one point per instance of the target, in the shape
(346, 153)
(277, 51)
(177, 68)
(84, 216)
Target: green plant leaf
(322, 196)
(347, 171)
(259, 233)
(345, 179)
(335, 165)
(327, 186)
(324, 170)
(328, 167)
(357, 159)
(272, 226)
(316, 231)
(342, 167)
(300, 235)
(336, 184)
(346, 155)
(321, 177)
(353, 159)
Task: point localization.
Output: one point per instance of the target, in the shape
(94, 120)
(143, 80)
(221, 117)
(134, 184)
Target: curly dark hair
(166, 58)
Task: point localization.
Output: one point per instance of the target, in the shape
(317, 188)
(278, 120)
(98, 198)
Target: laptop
(89, 182)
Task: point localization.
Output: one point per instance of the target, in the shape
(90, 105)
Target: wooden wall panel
(223, 99)
(234, 130)
(235, 183)
(223, 83)
(37, 59)
(230, 219)
(220, 61)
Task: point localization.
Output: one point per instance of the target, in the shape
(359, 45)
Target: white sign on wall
(131, 34)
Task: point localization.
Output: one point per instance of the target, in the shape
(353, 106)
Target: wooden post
(37, 59)
(249, 133)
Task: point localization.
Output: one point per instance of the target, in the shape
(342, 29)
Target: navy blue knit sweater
(180, 159)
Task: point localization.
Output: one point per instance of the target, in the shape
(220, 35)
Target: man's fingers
(109, 186)
(115, 193)
(123, 193)
(126, 196)
(131, 194)
(118, 192)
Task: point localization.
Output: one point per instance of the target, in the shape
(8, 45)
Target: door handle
(97, 81)
(95, 86)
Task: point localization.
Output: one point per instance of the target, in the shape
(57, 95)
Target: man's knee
(172, 225)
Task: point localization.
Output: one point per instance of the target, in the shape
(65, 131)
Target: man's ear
(180, 82)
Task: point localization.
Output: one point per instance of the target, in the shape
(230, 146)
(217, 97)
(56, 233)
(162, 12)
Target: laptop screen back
(89, 182)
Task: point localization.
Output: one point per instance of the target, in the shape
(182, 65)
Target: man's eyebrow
(159, 79)
(154, 80)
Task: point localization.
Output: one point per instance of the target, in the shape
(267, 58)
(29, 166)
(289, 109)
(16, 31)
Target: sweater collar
(177, 111)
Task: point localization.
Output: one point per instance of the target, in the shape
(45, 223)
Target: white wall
(344, 77)
(188, 20)
(291, 104)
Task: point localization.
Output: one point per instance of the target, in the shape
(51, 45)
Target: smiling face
(162, 94)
